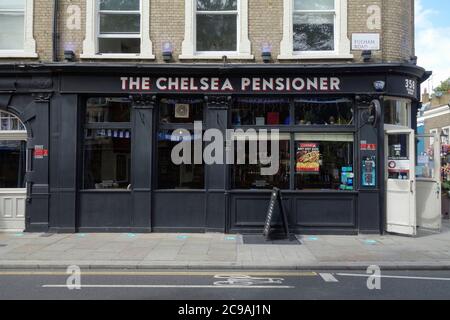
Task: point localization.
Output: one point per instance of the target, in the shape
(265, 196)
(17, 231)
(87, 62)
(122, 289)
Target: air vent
(182, 111)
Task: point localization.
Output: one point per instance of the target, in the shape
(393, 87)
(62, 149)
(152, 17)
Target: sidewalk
(219, 251)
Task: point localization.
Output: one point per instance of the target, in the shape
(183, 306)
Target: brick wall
(265, 25)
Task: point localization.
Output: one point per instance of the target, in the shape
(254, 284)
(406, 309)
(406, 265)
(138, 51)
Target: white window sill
(216, 56)
(316, 56)
(6, 54)
(117, 56)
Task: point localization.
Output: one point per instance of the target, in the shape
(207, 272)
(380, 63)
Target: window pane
(324, 112)
(216, 5)
(120, 23)
(12, 164)
(12, 4)
(119, 4)
(172, 176)
(261, 112)
(12, 31)
(396, 112)
(398, 157)
(313, 32)
(425, 158)
(118, 45)
(314, 4)
(179, 111)
(324, 164)
(107, 159)
(108, 110)
(216, 32)
(248, 176)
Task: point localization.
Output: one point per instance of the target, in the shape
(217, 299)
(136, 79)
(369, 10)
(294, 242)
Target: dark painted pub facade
(100, 138)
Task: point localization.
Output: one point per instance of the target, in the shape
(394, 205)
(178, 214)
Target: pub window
(332, 112)
(260, 112)
(107, 144)
(324, 161)
(12, 164)
(175, 111)
(16, 38)
(176, 124)
(314, 25)
(248, 176)
(117, 29)
(216, 25)
(119, 26)
(315, 29)
(396, 112)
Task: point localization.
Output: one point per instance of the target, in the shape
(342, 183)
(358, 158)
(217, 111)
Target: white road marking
(168, 286)
(328, 277)
(391, 277)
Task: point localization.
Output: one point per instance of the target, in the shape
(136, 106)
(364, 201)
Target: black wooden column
(370, 204)
(141, 167)
(36, 116)
(64, 153)
(216, 174)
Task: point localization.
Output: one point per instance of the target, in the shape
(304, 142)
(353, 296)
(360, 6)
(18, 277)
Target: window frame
(104, 126)
(409, 103)
(159, 126)
(91, 42)
(189, 45)
(29, 44)
(294, 129)
(217, 12)
(341, 39)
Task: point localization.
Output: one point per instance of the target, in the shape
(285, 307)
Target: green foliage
(443, 87)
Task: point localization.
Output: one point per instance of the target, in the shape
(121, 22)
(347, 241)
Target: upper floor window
(216, 28)
(117, 29)
(16, 29)
(120, 26)
(315, 29)
(314, 25)
(216, 24)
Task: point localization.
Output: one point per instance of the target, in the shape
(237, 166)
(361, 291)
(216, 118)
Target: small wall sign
(365, 41)
(40, 152)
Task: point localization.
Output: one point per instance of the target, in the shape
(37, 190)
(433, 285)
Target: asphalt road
(206, 285)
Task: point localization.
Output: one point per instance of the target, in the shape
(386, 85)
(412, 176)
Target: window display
(324, 161)
(334, 112)
(260, 112)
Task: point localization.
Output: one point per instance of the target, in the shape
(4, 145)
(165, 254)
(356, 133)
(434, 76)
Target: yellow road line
(160, 273)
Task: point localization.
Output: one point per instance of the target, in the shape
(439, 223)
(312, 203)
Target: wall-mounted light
(413, 60)
(167, 51)
(266, 52)
(366, 55)
(69, 55)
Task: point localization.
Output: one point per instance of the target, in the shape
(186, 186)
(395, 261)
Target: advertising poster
(308, 158)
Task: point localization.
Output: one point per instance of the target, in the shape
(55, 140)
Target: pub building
(93, 142)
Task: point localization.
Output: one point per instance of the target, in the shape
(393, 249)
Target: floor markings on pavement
(328, 277)
(162, 286)
(159, 273)
(391, 277)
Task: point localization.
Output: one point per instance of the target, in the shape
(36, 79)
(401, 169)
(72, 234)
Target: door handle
(411, 186)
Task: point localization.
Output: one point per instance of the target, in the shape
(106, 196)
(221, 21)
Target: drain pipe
(55, 34)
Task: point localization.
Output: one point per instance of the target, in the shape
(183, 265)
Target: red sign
(368, 147)
(40, 152)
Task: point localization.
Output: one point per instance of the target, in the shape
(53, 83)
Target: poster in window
(308, 158)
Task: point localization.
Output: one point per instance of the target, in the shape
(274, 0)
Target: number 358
(410, 84)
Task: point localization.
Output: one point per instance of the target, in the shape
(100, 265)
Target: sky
(433, 39)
